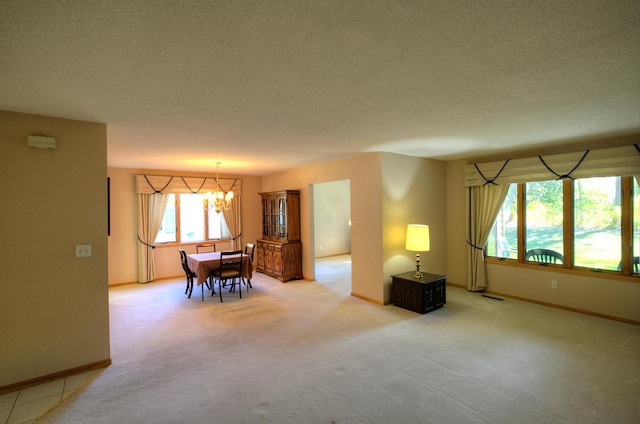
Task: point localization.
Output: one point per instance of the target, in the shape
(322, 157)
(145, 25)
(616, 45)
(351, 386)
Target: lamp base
(418, 274)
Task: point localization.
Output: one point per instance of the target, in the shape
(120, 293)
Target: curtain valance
(147, 184)
(614, 161)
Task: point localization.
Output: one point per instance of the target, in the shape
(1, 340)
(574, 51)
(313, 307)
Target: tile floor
(27, 405)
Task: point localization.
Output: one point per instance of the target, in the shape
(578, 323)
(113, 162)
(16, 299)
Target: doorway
(331, 232)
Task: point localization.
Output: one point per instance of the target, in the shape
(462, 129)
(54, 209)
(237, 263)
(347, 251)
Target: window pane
(544, 216)
(597, 222)
(214, 224)
(636, 223)
(503, 239)
(191, 217)
(167, 231)
(218, 228)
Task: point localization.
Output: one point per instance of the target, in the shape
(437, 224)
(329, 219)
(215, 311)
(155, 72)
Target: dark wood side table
(420, 295)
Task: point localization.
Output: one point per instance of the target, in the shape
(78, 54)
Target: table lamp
(417, 241)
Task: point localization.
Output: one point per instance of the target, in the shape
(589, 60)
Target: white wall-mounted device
(41, 142)
(83, 250)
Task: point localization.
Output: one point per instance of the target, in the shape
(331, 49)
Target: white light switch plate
(83, 250)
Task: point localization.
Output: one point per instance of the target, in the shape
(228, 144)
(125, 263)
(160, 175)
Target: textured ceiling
(268, 85)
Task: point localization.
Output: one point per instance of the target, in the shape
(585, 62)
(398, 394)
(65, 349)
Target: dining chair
(230, 270)
(545, 256)
(636, 265)
(190, 275)
(505, 250)
(205, 247)
(248, 250)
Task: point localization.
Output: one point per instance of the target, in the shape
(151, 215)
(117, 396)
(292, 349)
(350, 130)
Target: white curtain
(483, 205)
(150, 213)
(232, 218)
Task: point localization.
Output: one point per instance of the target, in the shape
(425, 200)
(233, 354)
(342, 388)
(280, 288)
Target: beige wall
(366, 234)
(456, 223)
(332, 212)
(414, 192)
(123, 238)
(54, 307)
(387, 193)
(603, 296)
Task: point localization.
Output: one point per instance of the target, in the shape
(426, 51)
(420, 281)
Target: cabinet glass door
(265, 217)
(273, 217)
(282, 217)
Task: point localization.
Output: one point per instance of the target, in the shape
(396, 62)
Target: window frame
(568, 232)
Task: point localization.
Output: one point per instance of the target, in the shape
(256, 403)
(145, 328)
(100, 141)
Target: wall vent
(41, 142)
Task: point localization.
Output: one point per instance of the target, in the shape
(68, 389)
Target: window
(167, 231)
(597, 237)
(544, 216)
(594, 223)
(191, 217)
(216, 225)
(503, 239)
(186, 220)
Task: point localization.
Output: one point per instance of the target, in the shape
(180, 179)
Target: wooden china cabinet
(279, 251)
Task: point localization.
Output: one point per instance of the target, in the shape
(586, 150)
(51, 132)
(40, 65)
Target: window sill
(609, 275)
(190, 243)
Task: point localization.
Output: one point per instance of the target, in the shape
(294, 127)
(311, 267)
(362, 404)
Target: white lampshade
(418, 238)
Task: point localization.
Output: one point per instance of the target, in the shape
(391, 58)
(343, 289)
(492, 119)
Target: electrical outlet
(83, 250)
(554, 284)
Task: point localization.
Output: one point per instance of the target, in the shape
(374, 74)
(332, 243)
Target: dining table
(203, 264)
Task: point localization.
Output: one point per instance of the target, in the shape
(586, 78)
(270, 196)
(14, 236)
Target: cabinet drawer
(434, 294)
(270, 246)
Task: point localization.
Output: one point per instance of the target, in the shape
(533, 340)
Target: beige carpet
(307, 352)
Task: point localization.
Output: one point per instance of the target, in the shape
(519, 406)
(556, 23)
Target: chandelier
(218, 199)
